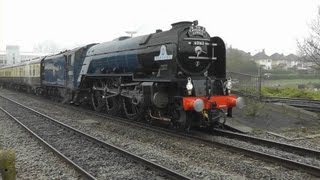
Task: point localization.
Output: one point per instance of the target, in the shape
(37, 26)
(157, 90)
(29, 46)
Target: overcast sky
(250, 25)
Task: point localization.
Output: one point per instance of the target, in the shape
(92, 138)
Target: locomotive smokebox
(181, 24)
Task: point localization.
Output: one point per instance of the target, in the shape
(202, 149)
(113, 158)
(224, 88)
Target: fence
(246, 84)
(251, 85)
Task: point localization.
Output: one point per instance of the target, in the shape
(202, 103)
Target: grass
(292, 88)
(290, 92)
(292, 83)
(253, 107)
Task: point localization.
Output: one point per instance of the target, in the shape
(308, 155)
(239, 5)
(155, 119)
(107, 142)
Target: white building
(262, 59)
(3, 58)
(279, 61)
(12, 55)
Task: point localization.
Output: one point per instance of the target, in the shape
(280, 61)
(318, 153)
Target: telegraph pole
(131, 33)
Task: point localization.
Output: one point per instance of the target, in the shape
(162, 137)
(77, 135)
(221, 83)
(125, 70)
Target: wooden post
(259, 82)
(7, 164)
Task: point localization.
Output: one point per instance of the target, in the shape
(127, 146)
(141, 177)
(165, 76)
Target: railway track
(256, 140)
(292, 149)
(83, 152)
(211, 140)
(307, 104)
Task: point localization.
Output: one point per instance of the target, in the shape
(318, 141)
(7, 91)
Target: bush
(292, 76)
(301, 86)
(253, 107)
(316, 85)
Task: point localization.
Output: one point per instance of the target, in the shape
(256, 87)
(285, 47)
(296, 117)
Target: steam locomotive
(176, 77)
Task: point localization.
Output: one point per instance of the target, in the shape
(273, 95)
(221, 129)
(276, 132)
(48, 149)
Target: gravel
(98, 161)
(194, 159)
(269, 150)
(33, 161)
(284, 120)
(312, 143)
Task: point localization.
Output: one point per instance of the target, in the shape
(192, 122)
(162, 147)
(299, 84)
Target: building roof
(32, 54)
(277, 56)
(261, 55)
(26, 53)
(292, 57)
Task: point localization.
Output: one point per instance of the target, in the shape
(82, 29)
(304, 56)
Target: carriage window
(37, 71)
(69, 60)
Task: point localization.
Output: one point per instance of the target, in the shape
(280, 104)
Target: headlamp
(189, 86)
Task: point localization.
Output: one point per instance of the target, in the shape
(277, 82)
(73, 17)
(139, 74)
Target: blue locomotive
(176, 77)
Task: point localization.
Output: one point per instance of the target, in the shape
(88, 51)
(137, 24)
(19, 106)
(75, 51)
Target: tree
(240, 61)
(46, 47)
(310, 46)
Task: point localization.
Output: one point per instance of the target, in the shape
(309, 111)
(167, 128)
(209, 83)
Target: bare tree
(310, 46)
(47, 46)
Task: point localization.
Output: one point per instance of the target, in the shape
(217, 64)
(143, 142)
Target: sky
(249, 25)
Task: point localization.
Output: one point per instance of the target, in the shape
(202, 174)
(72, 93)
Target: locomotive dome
(181, 23)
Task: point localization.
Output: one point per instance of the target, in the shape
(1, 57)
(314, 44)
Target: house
(264, 60)
(293, 61)
(279, 61)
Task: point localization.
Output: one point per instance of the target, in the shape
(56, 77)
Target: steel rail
(210, 141)
(256, 140)
(86, 174)
(171, 173)
(307, 104)
(260, 155)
